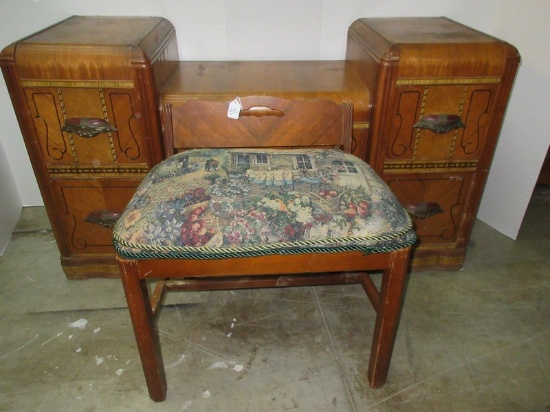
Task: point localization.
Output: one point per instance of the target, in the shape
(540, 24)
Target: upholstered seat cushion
(219, 203)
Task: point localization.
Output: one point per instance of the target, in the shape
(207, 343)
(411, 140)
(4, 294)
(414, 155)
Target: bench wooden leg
(387, 317)
(147, 339)
(387, 303)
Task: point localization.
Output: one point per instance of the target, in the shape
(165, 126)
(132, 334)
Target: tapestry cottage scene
(246, 202)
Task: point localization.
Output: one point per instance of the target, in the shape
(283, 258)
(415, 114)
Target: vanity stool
(268, 199)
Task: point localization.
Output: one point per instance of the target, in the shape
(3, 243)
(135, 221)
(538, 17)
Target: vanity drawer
(87, 126)
(88, 209)
(438, 121)
(436, 202)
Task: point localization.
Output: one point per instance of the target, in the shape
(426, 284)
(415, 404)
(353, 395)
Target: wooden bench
(271, 195)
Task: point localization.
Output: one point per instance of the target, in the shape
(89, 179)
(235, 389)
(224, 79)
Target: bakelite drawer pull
(440, 123)
(87, 126)
(424, 210)
(103, 218)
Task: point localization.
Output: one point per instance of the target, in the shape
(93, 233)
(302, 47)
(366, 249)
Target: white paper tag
(234, 109)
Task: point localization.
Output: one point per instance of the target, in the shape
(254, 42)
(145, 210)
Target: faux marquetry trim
(79, 84)
(430, 167)
(360, 125)
(418, 130)
(87, 269)
(460, 110)
(444, 81)
(63, 171)
(106, 117)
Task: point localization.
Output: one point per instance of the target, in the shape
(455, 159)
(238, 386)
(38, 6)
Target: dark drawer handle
(103, 218)
(87, 126)
(440, 123)
(424, 210)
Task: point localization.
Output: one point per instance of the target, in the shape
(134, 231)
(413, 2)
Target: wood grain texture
(109, 68)
(433, 66)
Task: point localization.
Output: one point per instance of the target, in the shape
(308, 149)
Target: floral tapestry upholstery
(222, 203)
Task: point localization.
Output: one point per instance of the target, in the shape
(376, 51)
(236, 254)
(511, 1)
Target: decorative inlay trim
(64, 113)
(135, 170)
(433, 166)
(451, 81)
(106, 117)
(79, 83)
(460, 109)
(422, 109)
(86, 269)
(360, 125)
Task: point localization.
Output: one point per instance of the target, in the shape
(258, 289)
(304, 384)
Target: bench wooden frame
(318, 123)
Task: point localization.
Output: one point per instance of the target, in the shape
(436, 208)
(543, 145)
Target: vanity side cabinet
(86, 93)
(440, 91)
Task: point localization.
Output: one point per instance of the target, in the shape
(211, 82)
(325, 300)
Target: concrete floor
(473, 340)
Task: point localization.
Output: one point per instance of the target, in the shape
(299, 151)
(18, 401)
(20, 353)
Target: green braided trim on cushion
(172, 253)
(376, 244)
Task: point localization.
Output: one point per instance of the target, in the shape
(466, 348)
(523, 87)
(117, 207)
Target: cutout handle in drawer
(87, 127)
(103, 218)
(423, 210)
(440, 123)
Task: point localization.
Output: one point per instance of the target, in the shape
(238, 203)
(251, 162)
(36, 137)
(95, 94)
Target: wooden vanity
(429, 96)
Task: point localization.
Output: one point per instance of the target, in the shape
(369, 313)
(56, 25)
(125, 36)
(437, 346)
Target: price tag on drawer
(234, 109)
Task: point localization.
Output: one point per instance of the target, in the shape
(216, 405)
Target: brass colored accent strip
(429, 246)
(417, 134)
(451, 81)
(360, 125)
(430, 167)
(70, 137)
(437, 261)
(79, 83)
(64, 171)
(460, 109)
(106, 117)
(82, 270)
